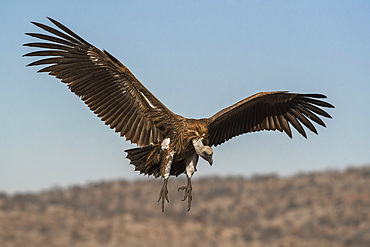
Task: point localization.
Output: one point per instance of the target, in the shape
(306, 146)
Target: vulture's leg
(167, 157)
(188, 189)
(163, 194)
(191, 164)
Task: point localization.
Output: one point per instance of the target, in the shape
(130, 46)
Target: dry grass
(322, 209)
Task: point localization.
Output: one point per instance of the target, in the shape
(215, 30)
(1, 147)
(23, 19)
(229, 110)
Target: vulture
(167, 143)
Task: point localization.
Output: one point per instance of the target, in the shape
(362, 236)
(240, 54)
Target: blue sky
(197, 57)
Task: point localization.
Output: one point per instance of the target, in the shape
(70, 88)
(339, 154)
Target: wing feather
(293, 121)
(60, 34)
(49, 38)
(108, 88)
(303, 120)
(277, 123)
(315, 109)
(131, 132)
(285, 125)
(268, 111)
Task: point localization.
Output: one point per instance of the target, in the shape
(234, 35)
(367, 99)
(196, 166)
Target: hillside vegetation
(318, 209)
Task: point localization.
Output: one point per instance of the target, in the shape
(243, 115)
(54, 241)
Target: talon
(181, 188)
(189, 201)
(163, 194)
(188, 195)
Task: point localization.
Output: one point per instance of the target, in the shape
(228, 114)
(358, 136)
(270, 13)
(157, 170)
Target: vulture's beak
(210, 160)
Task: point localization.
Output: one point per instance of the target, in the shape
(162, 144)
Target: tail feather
(145, 160)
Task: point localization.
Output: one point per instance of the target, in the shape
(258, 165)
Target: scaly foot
(163, 194)
(188, 190)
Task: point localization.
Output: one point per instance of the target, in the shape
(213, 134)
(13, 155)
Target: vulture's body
(168, 144)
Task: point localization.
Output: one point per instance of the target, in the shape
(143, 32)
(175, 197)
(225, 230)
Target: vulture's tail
(145, 159)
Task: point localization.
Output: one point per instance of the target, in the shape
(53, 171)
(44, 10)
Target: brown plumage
(168, 144)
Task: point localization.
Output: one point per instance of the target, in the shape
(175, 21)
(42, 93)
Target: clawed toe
(186, 192)
(163, 194)
(188, 195)
(181, 188)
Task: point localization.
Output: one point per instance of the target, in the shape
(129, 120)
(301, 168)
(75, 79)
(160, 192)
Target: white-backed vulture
(168, 144)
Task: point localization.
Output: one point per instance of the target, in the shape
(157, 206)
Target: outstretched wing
(267, 111)
(108, 88)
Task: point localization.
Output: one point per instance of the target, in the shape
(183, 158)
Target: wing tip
(52, 20)
(330, 106)
(315, 95)
(304, 134)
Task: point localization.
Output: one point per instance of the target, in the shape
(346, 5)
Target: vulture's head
(206, 152)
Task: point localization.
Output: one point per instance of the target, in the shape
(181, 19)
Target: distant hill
(318, 209)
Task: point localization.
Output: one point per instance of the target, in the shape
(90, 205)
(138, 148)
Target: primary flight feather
(168, 144)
